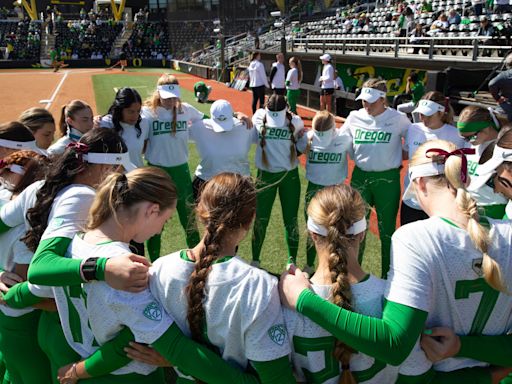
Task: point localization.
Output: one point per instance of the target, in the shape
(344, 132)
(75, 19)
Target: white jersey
(277, 143)
(418, 134)
(436, 268)
(222, 151)
(326, 165)
(14, 251)
(5, 195)
(293, 77)
(14, 212)
(244, 318)
(485, 195)
(58, 148)
(327, 78)
(165, 148)
(377, 140)
(278, 79)
(134, 141)
(92, 314)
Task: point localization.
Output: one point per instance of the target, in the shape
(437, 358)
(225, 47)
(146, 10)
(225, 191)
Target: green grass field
(274, 252)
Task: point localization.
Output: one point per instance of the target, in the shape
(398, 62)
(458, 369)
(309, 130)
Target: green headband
(474, 126)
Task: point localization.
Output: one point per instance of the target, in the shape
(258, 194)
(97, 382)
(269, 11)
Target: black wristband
(88, 269)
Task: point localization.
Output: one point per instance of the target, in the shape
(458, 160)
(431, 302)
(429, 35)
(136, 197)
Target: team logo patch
(153, 311)
(277, 334)
(221, 118)
(274, 114)
(477, 266)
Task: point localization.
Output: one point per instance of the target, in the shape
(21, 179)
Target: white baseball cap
(222, 119)
(428, 107)
(326, 57)
(487, 169)
(167, 91)
(370, 95)
(276, 118)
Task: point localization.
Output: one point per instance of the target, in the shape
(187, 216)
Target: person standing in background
(277, 75)
(501, 89)
(293, 80)
(258, 81)
(326, 83)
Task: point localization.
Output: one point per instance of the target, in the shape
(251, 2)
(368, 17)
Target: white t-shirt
(257, 74)
(293, 77)
(418, 134)
(436, 268)
(327, 78)
(58, 148)
(326, 165)
(377, 140)
(278, 79)
(134, 143)
(484, 195)
(14, 212)
(244, 318)
(164, 148)
(104, 311)
(277, 145)
(222, 151)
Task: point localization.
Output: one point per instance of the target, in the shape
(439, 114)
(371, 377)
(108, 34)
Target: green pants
(268, 184)
(382, 191)
(310, 248)
(496, 211)
(185, 207)
(292, 95)
(25, 362)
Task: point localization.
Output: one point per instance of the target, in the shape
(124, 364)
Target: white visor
(19, 145)
(428, 107)
(487, 169)
(356, 228)
(421, 170)
(371, 95)
(169, 90)
(110, 158)
(322, 139)
(276, 118)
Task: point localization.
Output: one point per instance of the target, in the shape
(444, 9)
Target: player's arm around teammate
(226, 303)
(277, 133)
(377, 132)
(414, 296)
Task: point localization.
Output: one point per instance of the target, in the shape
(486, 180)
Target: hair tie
(446, 104)
(80, 149)
(443, 155)
(494, 118)
(121, 186)
(3, 164)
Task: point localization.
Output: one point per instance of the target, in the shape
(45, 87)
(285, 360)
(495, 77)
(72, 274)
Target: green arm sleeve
(50, 267)
(3, 227)
(274, 372)
(389, 339)
(495, 350)
(197, 360)
(110, 356)
(19, 296)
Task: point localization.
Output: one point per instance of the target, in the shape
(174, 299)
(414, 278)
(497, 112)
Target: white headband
(356, 228)
(426, 169)
(110, 158)
(432, 105)
(494, 118)
(12, 144)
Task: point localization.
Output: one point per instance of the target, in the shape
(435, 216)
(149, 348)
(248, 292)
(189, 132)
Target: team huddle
(81, 303)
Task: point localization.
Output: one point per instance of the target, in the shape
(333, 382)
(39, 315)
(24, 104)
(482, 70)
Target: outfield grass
(274, 252)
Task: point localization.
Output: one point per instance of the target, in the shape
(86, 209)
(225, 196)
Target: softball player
(293, 80)
(436, 117)
(376, 133)
(168, 118)
(18, 328)
(223, 301)
(277, 75)
(14, 137)
(326, 149)
(337, 224)
(127, 207)
(276, 159)
(223, 143)
(442, 272)
(202, 91)
(41, 124)
(480, 127)
(76, 119)
(124, 117)
(326, 83)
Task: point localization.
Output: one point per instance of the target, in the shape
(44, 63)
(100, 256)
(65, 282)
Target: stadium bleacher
(22, 39)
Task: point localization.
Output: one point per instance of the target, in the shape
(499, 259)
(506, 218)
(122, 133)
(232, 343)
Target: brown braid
(293, 139)
(227, 203)
(174, 119)
(263, 141)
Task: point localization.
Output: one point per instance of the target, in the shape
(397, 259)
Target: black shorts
(327, 91)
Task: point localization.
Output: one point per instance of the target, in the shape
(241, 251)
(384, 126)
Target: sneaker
(255, 263)
(309, 271)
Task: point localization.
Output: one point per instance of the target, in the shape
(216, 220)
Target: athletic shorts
(327, 91)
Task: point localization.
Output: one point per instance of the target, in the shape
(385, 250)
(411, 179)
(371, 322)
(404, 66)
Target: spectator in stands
(426, 7)
(440, 25)
(477, 6)
(486, 28)
(417, 37)
(258, 81)
(414, 87)
(501, 89)
(453, 17)
(277, 75)
(501, 6)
